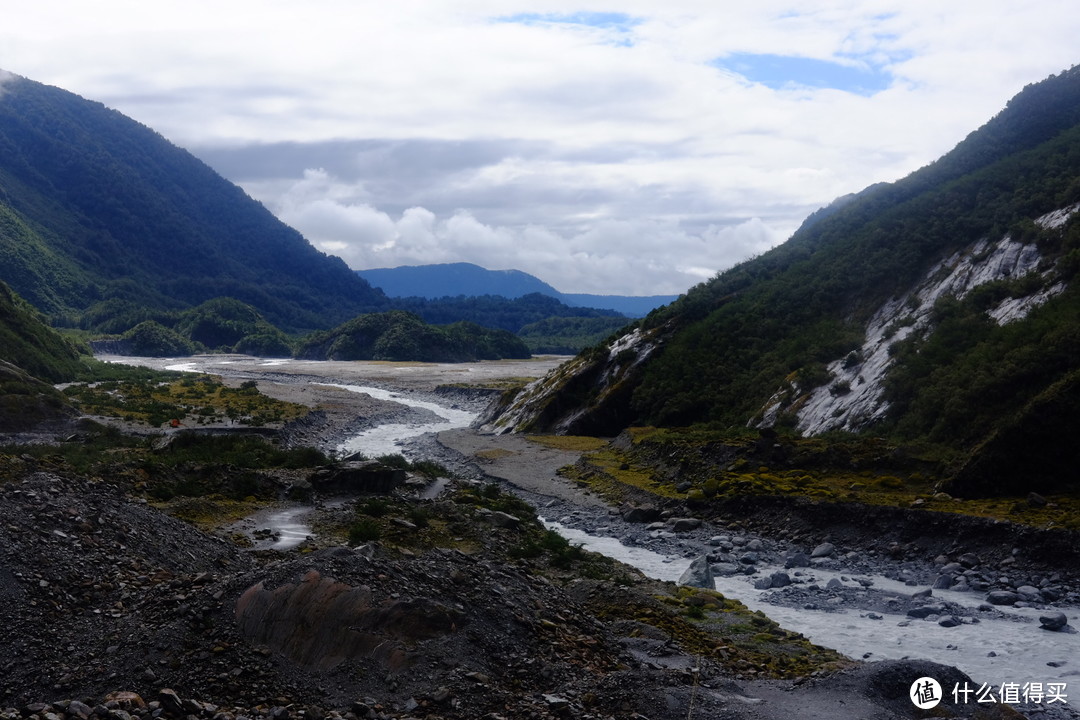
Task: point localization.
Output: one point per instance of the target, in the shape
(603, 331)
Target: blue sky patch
(780, 71)
(620, 23)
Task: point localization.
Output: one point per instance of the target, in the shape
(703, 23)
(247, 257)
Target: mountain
(941, 309)
(457, 279)
(100, 213)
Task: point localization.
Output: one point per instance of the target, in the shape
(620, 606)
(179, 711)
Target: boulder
(797, 560)
(684, 524)
(1053, 621)
(924, 611)
(825, 549)
(699, 574)
(1002, 597)
(641, 514)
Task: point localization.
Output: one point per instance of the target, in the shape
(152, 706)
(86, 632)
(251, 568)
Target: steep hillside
(26, 342)
(935, 308)
(98, 210)
(30, 354)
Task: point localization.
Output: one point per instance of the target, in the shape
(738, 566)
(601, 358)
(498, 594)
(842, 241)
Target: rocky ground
(113, 609)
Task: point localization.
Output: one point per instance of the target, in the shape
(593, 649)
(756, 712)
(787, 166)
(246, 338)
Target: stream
(1006, 648)
(1002, 646)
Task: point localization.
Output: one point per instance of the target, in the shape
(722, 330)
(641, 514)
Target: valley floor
(632, 666)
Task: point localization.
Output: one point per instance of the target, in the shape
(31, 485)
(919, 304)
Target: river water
(1010, 649)
(994, 650)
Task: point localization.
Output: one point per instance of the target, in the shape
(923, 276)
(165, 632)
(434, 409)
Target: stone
(797, 560)
(969, 560)
(780, 579)
(949, 621)
(943, 582)
(684, 524)
(825, 549)
(171, 704)
(925, 611)
(1036, 500)
(1053, 621)
(1030, 593)
(79, 709)
(1002, 597)
(699, 574)
(501, 519)
(726, 568)
(641, 514)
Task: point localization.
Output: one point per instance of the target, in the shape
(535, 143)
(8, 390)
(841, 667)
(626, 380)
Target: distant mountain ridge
(455, 279)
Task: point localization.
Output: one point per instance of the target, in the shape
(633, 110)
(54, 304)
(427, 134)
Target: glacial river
(995, 651)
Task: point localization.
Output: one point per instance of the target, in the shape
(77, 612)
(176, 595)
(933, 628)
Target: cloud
(643, 256)
(563, 139)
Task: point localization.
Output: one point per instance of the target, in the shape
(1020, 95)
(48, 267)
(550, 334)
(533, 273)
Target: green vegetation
(155, 398)
(568, 335)
(399, 335)
(28, 343)
(706, 468)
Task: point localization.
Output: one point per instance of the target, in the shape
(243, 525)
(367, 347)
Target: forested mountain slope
(98, 211)
(940, 307)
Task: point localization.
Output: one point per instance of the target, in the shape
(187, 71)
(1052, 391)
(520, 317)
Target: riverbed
(997, 646)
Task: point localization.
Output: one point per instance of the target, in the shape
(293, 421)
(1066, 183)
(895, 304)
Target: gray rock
(780, 579)
(1002, 597)
(1030, 593)
(699, 574)
(949, 621)
(755, 545)
(943, 582)
(1053, 621)
(684, 524)
(797, 560)
(642, 514)
(725, 568)
(925, 611)
(171, 704)
(969, 560)
(824, 550)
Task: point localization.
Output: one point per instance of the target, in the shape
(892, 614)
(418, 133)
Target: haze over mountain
(941, 308)
(468, 279)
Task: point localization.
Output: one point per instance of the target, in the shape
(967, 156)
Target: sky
(616, 147)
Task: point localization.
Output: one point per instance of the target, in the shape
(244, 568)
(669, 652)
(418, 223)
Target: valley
(846, 586)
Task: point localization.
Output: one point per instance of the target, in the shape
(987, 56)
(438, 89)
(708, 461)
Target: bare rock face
(320, 622)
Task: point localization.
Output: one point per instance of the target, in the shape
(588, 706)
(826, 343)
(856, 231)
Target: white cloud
(560, 144)
(641, 256)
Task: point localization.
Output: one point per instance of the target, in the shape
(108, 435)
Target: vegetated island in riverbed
(458, 606)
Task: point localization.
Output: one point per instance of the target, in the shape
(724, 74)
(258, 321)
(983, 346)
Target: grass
(155, 399)
(855, 470)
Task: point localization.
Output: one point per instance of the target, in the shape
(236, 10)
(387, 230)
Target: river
(1008, 647)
